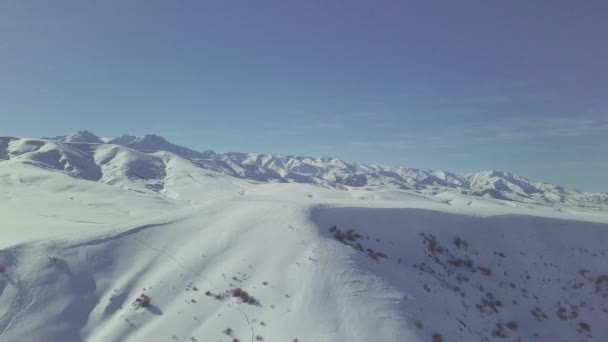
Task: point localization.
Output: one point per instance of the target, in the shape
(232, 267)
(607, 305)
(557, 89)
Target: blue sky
(520, 86)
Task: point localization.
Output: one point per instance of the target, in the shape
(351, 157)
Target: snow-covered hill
(103, 242)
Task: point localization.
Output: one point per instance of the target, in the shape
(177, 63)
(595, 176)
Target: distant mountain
(79, 137)
(74, 155)
(337, 173)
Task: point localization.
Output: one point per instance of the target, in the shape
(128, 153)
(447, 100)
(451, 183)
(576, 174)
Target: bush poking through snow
(484, 270)
(511, 325)
(584, 328)
(216, 296)
(499, 331)
(458, 242)
(351, 237)
(601, 285)
(244, 296)
(144, 301)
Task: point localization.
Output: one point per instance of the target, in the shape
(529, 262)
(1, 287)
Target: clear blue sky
(520, 86)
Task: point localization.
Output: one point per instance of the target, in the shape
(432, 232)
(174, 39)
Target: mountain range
(85, 155)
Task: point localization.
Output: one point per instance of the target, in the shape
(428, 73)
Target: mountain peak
(122, 139)
(83, 136)
(154, 137)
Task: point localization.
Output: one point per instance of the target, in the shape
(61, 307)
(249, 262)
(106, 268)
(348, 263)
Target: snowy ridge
(337, 173)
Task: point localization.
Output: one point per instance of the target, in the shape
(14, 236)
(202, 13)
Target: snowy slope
(275, 241)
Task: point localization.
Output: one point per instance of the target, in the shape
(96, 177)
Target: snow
(77, 251)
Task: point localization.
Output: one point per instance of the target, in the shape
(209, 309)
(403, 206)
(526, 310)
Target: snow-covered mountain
(102, 242)
(74, 157)
(79, 137)
(340, 174)
(332, 172)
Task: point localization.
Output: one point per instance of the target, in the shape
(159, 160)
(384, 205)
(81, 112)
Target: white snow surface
(88, 227)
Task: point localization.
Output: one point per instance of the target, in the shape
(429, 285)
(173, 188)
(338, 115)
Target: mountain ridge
(321, 171)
